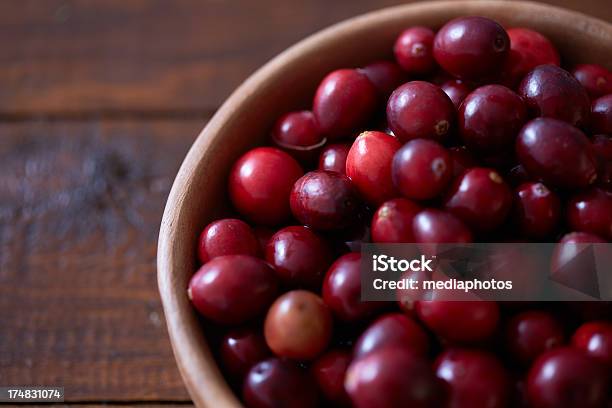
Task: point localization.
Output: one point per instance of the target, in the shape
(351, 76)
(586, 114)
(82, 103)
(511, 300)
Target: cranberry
(333, 157)
(260, 183)
(413, 50)
(545, 147)
(324, 200)
(433, 226)
(392, 222)
(552, 92)
(233, 288)
(471, 47)
(528, 49)
(490, 118)
(241, 349)
(462, 160)
(566, 377)
(601, 115)
(297, 129)
(369, 165)
(480, 198)
(595, 339)
(299, 256)
(597, 80)
(475, 379)
(329, 371)
(344, 102)
(419, 109)
(275, 383)
(537, 210)
(392, 378)
(263, 235)
(456, 90)
(393, 330)
(602, 145)
(591, 211)
(531, 333)
(459, 321)
(385, 75)
(228, 236)
(422, 169)
(298, 325)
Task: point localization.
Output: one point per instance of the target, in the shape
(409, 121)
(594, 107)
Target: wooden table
(99, 102)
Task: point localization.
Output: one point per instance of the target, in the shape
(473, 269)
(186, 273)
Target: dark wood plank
(80, 207)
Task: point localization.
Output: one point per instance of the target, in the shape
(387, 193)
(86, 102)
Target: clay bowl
(288, 82)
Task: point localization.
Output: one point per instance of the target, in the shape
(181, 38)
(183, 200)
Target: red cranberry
(228, 236)
(433, 226)
(462, 160)
(324, 200)
(392, 378)
(233, 288)
(531, 333)
(591, 211)
(369, 165)
(528, 49)
(601, 115)
(456, 90)
(537, 210)
(595, 339)
(392, 222)
(480, 198)
(385, 75)
(275, 383)
(333, 157)
(299, 256)
(459, 321)
(471, 47)
(260, 183)
(393, 330)
(344, 102)
(413, 50)
(545, 147)
(490, 118)
(602, 146)
(419, 109)
(475, 379)
(298, 325)
(241, 349)
(329, 371)
(297, 129)
(565, 377)
(422, 169)
(597, 80)
(552, 92)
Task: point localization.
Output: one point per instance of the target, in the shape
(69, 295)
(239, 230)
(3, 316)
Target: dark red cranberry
(233, 288)
(531, 333)
(459, 321)
(475, 379)
(241, 349)
(462, 160)
(325, 200)
(228, 236)
(329, 371)
(471, 47)
(297, 129)
(298, 325)
(602, 146)
(597, 80)
(565, 377)
(413, 50)
(393, 378)
(420, 109)
(591, 211)
(333, 157)
(552, 92)
(344, 102)
(528, 49)
(480, 198)
(537, 209)
(260, 183)
(433, 226)
(601, 115)
(276, 383)
(392, 222)
(595, 339)
(490, 118)
(385, 75)
(299, 256)
(545, 146)
(393, 330)
(368, 165)
(422, 169)
(456, 90)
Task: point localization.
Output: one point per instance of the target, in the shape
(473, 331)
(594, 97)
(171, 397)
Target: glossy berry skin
(566, 377)
(552, 92)
(413, 50)
(368, 165)
(276, 383)
(459, 321)
(591, 211)
(471, 47)
(545, 146)
(392, 378)
(241, 349)
(433, 226)
(537, 210)
(260, 183)
(595, 339)
(462, 160)
(325, 200)
(228, 236)
(601, 115)
(298, 325)
(232, 289)
(392, 222)
(297, 129)
(480, 198)
(392, 330)
(385, 75)
(329, 371)
(420, 109)
(490, 118)
(596, 79)
(333, 157)
(299, 256)
(531, 333)
(475, 379)
(421, 169)
(344, 102)
(456, 90)
(528, 49)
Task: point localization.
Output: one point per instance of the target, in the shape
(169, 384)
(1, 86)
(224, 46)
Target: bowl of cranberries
(443, 122)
